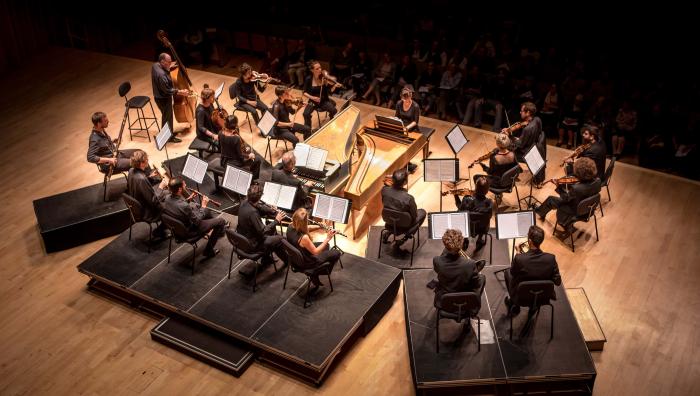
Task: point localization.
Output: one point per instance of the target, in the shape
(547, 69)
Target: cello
(183, 106)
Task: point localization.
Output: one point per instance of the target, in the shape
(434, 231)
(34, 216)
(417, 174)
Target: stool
(138, 103)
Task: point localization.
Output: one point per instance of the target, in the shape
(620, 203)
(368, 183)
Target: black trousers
(252, 165)
(288, 134)
(166, 110)
(217, 224)
(550, 203)
(253, 110)
(325, 105)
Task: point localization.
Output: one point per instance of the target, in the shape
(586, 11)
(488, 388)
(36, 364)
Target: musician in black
(530, 266)
(197, 219)
(206, 130)
(285, 175)
(569, 197)
(501, 161)
(314, 253)
(530, 135)
(396, 197)
(284, 127)
(409, 112)
(479, 207)
(455, 272)
(101, 147)
(595, 151)
(235, 151)
(140, 188)
(163, 91)
(263, 237)
(244, 90)
(317, 89)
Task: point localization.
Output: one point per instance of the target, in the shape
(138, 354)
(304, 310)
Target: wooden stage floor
(55, 338)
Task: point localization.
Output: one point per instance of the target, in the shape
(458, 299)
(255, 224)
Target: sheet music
(271, 193)
(237, 180)
(329, 207)
(301, 153)
(279, 195)
(440, 170)
(163, 136)
(534, 160)
(266, 123)
(460, 221)
(195, 169)
(456, 139)
(514, 225)
(219, 90)
(316, 159)
(441, 222)
(286, 197)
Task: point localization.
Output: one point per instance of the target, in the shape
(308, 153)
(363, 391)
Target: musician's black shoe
(211, 253)
(412, 167)
(512, 310)
(398, 252)
(173, 139)
(316, 282)
(480, 244)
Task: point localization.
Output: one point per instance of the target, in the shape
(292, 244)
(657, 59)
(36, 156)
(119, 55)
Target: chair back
(608, 172)
(176, 226)
(462, 304)
(479, 223)
(296, 260)
(508, 178)
(240, 242)
(587, 206)
(535, 293)
(124, 89)
(395, 220)
(232, 93)
(134, 206)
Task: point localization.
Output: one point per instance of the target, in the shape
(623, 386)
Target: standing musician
(198, 220)
(244, 90)
(501, 160)
(314, 253)
(317, 89)
(529, 136)
(396, 197)
(101, 150)
(206, 130)
(151, 198)
(530, 266)
(455, 272)
(482, 207)
(163, 91)
(250, 225)
(284, 127)
(568, 199)
(234, 150)
(592, 147)
(286, 176)
(409, 112)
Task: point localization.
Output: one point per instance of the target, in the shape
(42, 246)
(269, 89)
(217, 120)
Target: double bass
(183, 106)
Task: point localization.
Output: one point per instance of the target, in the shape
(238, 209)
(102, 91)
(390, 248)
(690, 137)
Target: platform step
(587, 321)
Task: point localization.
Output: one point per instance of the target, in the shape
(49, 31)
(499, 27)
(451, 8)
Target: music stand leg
(167, 157)
(530, 199)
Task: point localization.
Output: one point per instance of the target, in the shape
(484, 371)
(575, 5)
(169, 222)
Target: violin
(483, 157)
(563, 181)
(264, 78)
(577, 152)
(459, 191)
(516, 126)
(298, 102)
(331, 79)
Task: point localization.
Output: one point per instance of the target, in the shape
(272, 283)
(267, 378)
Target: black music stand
(195, 169)
(535, 163)
(436, 170)
(512, 225)
(161, 142)
(327, 213)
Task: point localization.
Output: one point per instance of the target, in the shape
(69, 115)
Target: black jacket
(533, 265)
(150, 198)
(572, 196)
(251, 226)
(455, 274)
(188, 213)
(400, 200)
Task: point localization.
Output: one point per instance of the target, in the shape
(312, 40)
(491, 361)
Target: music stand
(456, 139)
(195, 169)
(438, 222)
(161, 142)
(441, 170)
(512, 225)
(535, 163)
(330, 207)
(218, 91)
(266, 123)
(237, 180)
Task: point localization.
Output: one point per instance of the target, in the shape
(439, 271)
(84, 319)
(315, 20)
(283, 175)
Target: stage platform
(271, 322)
(80, 216)
(429, 248)
(530, 362)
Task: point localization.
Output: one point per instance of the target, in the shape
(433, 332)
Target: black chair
(296, 261)
(460, 306)
(105, 181)
(181, 235)
(397, 223)
(534, 294)
(136, 212)
(606, 179)
(217, 170)
(244, 250)
(138, 103)
(202, 146)
(236, 107)
(269, 149)
(585, 209)
(508, 181)
(479, 224)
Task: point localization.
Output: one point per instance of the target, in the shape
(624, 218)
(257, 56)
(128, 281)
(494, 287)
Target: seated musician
(455, 272)
(235, 151)
(596, 151)
(500, 161)
(285, 176)
(284, 127)
(244, 90)
(569, 197)
(151, 198)
(481, 205)
(101, 147)
(530, 135)
(530, 266)
(206, 130)
(396, 197)
(263, 237)
(314, 253)
(317, 89)
(409, 112)
(197, 219)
